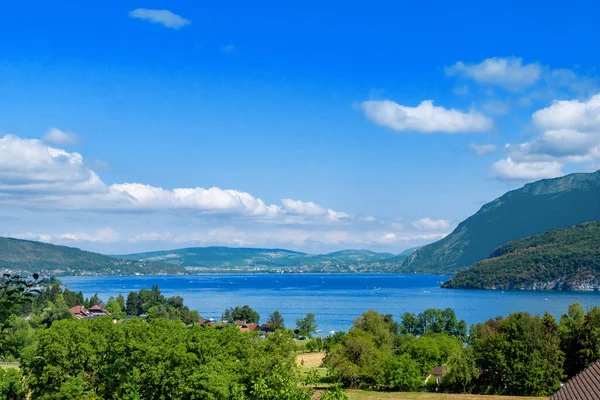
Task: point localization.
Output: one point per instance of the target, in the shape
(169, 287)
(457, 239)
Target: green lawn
(368, 395)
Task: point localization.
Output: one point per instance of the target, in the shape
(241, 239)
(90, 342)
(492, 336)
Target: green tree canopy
(307, 325)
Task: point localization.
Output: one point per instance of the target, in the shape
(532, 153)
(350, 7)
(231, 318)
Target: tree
(334, 392)
(402, 373)
(55, 312)
(409, 325)
(15, 291)
(244, 314)
(73, 299)
(570, 330)
(312, 377)
(175, 301)
(307, 325)
(432, 350)
(12, 385)
(94, 301)
(433, 320)
(589, 338)
(276, 320)
(462, 370)
(377, 325)
(115, 308)
(357, 360)
(133, 304)
(159, 359)
(521, 357)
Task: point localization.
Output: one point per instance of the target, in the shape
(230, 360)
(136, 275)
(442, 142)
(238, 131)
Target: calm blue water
(336, 299)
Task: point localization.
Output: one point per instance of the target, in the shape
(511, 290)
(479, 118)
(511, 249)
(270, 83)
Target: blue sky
(319, 126)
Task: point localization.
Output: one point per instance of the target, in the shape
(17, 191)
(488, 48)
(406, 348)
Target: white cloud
(212, 200)
(389, 237)
(483, 149)
(562, 144)
(103, 235)
(424, 118)
(37, 175)
(230, 48)
(509, 72)
(428, 224)
(31, 166)
(569, 133)
(512, 170)
(298, 207)
(163, 17)
(570, 114)
(59, 137)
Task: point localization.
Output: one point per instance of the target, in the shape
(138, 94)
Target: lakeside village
(80, 312)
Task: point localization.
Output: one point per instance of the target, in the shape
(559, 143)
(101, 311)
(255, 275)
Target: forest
(559, 259)
(152, 347)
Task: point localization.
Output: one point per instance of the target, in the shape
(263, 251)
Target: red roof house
(248, 327)
(80, 312)
(98, 310)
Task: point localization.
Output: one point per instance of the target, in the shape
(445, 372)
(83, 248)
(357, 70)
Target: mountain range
(533, 209)
(25, 256)
(224, 259)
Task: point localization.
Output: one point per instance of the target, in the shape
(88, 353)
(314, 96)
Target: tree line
(520, 354)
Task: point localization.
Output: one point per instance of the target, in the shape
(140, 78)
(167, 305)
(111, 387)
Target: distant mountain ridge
(239, 258)
(533, 209)
(560, 259)
(25, 256)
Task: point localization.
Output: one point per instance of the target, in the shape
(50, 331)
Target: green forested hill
(563, 259)
(27, 256)
(215, 258)
(531, 210)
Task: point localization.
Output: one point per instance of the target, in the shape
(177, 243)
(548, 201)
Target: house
(98, 311)
(248, 327)
(436, 373)
(583, 386)
(80, 312)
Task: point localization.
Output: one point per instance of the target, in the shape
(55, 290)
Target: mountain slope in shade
(27, 256)
(560, 259)
(531, 210)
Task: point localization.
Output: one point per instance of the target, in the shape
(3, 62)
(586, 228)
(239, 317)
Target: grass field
(365, 395)
(311, 360)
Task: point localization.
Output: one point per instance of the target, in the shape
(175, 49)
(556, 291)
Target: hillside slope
(28, 256)
(560, 259)
(223, 259)
(530, 210)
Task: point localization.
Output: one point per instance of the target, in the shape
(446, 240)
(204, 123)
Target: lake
(336, 299)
